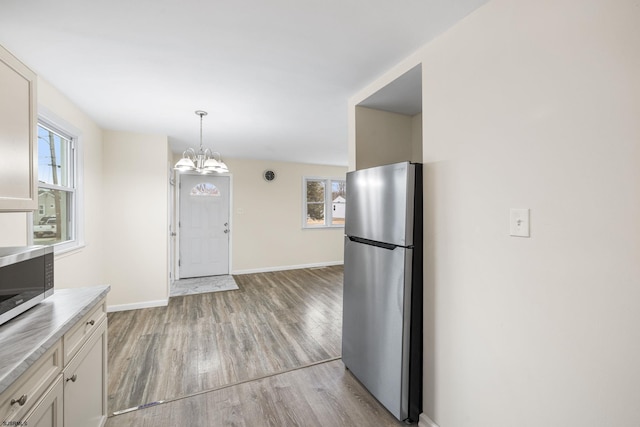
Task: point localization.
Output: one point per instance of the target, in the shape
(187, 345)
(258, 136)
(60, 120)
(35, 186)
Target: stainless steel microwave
(26, 278)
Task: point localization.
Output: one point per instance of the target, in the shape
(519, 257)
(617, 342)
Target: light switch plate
(519, 222)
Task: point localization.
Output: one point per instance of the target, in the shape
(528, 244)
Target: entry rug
(203, 285)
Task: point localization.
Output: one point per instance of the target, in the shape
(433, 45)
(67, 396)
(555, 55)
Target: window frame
(328, 201)
(75, 221)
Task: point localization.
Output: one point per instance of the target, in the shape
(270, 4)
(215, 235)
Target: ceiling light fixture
(201, 161)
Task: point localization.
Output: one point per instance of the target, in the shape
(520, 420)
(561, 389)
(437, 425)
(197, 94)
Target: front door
(204, 225)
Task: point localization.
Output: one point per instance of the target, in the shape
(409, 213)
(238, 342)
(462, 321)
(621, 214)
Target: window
(323, 202)
(55, 220)
(205, 189)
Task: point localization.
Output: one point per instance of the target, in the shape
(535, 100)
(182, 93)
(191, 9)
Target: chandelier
(201, 161)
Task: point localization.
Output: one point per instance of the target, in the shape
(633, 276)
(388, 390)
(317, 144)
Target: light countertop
(28, 336)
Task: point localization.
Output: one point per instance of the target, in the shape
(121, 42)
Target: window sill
(321, 227)
(63, 250)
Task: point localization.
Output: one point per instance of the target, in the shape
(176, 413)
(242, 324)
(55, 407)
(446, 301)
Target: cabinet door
(48, 412)
(85, 397)
(18, 151)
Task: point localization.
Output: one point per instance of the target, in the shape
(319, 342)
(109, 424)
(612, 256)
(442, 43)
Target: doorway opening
(203, 232)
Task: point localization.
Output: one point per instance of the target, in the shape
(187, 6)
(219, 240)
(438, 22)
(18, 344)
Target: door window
(205, 189)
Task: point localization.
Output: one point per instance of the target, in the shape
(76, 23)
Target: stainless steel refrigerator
(382, 317)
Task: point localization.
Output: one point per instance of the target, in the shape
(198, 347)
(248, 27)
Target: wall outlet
(519, 222)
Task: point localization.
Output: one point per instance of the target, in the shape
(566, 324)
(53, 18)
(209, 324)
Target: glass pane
(53, 157)
(338, 202)
(315, 191)
(205, 189)
(315, 213)
(51, 221)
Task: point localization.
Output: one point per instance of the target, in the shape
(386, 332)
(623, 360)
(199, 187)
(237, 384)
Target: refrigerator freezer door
(376, 321)
(380, 203)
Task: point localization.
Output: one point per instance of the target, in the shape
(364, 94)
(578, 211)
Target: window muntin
(53, 222)
(324, 202)
(338, 202)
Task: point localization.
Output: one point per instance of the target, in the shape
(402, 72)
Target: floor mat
(202, 285)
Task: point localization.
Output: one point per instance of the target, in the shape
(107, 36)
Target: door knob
(226, 231)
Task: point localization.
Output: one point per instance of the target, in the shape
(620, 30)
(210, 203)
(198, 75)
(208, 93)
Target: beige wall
(82, 267)
(416, 138)
(125, 216)
(532, 105)
(125, 213)
(136, 218)
(13, 229)
(125, 210)
(383, 137)
(267, 231)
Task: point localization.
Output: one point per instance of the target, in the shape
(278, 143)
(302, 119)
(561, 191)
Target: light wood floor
(241, 344)
(324, 395)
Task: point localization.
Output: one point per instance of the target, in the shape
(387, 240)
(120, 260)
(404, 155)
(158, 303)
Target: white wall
(125, 210)
(267, 218)
(82, 267)
(126, 201)
(533, 105)
(135, 218)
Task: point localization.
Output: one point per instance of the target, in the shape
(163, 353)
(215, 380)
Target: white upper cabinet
(18, 147)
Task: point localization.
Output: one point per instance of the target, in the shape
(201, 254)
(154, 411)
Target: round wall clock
(269, 175)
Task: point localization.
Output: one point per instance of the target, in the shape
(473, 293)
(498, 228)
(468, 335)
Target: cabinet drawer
(73, 340)
(31, 385)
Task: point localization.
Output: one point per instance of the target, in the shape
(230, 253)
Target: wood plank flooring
(275, 322)
(323, 395)
(264, 355)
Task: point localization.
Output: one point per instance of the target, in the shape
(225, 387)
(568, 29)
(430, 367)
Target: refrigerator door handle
(383, 245)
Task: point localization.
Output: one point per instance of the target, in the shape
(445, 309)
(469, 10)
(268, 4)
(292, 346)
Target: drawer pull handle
(21, 401)
(73, 378)
(91, 322)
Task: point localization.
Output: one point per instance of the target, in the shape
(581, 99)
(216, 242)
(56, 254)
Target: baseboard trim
(164, 302)
(425, 421)
(287, 267)
(137, 305)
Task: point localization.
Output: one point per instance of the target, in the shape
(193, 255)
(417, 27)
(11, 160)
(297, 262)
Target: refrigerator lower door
(376, 321)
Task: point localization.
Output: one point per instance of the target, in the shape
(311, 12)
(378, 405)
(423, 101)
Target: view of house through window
(52, 222)
(324, 202)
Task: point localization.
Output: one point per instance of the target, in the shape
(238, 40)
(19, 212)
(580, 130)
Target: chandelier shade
(203, 160)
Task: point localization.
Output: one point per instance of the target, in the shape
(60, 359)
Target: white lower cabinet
(70, 394)
(48, 412)
(26, 392)
(85, 400)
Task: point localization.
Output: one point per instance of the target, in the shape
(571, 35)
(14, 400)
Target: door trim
(171, 240)
(177, 194)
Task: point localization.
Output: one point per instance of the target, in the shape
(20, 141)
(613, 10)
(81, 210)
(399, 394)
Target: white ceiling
(274, 75)
(403, 95)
